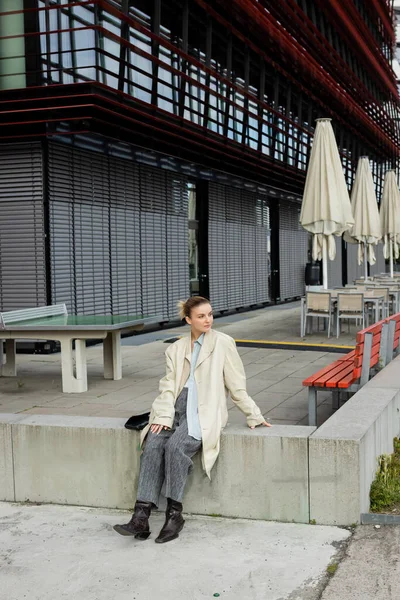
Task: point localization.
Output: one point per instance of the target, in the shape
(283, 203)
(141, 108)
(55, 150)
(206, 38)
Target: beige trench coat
(219, 371)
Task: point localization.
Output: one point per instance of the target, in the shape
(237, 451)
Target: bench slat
(325, 370)
(347, 381)
(337, 379)
(322, 380)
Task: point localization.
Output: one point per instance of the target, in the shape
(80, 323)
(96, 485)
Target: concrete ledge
(7, 491)
(379, 519)
(75, 460)
(343, 452)
(92, 461)
(259, 475)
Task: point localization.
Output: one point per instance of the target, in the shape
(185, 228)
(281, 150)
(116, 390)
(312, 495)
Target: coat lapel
(188, 348)
(207, 347)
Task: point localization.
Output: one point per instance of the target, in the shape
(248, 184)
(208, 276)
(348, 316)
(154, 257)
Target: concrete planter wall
(94, 461)
(343, 452)
(286, 473)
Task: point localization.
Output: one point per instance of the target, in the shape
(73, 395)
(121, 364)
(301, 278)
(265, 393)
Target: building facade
(152, 149)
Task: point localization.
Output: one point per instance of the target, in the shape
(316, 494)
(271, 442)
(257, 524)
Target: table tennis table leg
(9, 368)
(70, 383)
(80, 362)
(112, 355)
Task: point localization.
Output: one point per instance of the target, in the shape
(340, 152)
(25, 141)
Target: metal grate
(118, 234)
(335, 276)
(177, 195)
(125, 237)
(335, 270)
(354, 270)
(293, 249)
(22, 240)
(238, 247)
(379, 266)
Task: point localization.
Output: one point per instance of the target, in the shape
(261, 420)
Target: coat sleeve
(163, 408)
(235, 381)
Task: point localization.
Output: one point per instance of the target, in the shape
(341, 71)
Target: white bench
(54, 323)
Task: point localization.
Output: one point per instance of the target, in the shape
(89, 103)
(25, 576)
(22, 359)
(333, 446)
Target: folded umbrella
(326, 209)
(366, 231)
(390, 218)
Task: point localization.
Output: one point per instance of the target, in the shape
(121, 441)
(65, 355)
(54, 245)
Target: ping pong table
(54, 323)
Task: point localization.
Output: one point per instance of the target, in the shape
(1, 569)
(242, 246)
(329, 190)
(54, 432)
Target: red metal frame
(305, 60)
(296, 55)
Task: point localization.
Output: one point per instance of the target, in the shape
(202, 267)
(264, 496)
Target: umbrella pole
(365, 263)
(391, 258)
(324, 262)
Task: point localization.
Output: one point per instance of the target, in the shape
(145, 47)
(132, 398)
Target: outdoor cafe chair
(318, 304)
(350, 306)
(381, 291)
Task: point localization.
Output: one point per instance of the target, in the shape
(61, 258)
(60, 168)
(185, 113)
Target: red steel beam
(383, 9)
(227, 148)
(296, 55)
(347, 19)
(300, 26)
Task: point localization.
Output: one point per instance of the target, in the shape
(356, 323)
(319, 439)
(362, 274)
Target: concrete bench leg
(70, 383)
(112, 356)
(9, 368)
(312, 406)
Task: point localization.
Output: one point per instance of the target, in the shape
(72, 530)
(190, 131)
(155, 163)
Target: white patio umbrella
(366, 231)
(326, 209)
(390, 218)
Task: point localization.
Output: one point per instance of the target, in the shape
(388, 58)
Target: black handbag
(138, 422)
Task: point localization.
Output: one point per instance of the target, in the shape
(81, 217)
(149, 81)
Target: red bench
(374, 345)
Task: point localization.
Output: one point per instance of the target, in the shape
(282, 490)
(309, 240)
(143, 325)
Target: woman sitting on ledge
(189, 413)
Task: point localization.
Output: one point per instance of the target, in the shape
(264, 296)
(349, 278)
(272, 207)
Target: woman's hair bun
(181, 308)
(185, 306)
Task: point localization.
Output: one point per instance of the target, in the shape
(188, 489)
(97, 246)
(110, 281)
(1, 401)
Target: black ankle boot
(174, 522)
(138, 526)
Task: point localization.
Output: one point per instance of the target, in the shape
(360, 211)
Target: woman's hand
(157, 428)
(263, 423)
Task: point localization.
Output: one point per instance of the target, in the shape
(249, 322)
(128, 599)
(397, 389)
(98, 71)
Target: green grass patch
(385, 489)
(331, 570)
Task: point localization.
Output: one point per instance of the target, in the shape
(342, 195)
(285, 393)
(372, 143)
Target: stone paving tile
(287, 368)
(273, 397)
(143, 400)
(65, 401)
(302, 396)
(292, 385)
(307, 371)
(287, 412)
(83, 410)
(272, 375)
(109, 411)
(256, 386)
(236, 417)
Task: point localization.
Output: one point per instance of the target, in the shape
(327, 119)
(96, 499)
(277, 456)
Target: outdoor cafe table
(376, 301)
(394, 291)
(65, 329)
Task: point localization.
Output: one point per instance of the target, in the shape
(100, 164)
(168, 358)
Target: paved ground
(55, 552)
(274, 376)
(371, 568)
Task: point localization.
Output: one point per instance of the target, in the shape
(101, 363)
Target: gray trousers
(167, 456)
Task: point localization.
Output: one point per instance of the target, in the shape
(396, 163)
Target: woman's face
(201, 318)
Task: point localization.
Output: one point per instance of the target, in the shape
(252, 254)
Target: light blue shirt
(192, 407)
